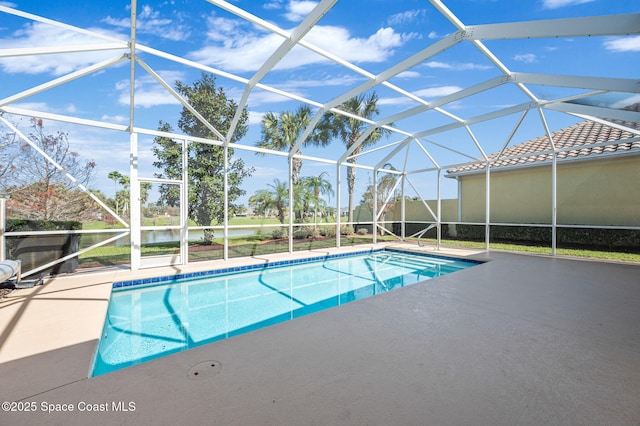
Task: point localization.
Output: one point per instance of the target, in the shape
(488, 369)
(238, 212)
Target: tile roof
(581, 137)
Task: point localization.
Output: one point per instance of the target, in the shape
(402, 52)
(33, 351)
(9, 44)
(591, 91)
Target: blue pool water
(152, 318)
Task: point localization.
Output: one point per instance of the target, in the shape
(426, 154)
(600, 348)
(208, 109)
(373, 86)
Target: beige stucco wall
(603, 192)
(415, 211)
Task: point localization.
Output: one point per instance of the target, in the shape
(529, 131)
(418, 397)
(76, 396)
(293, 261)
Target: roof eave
(590, 157)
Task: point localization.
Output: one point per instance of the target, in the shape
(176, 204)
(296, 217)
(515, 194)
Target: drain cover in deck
(204, 370)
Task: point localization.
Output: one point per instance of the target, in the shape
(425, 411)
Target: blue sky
(371, 34)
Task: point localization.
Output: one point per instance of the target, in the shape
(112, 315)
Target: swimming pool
(147, 319)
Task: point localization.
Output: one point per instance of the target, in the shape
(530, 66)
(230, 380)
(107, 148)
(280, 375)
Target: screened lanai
(372, 102)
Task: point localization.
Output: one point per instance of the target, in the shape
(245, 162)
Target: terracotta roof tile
(584, 133)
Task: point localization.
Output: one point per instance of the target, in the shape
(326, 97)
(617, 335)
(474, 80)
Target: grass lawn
(263, 244)
(166, 221)
(238, 247)
(594, 254)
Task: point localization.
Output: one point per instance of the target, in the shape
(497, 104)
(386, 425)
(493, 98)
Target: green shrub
(18, 225)
(362, 231)
(327, 231)
(346, 230)
(279, 233)
(592, 238)
(305, 232)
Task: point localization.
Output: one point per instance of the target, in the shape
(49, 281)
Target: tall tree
(279, 198)
(384, 187)
(318, 186)
(349, 130)
(261, 202)
(206, 161)
(38, 188)
(8, 153)
(115, 176)
(281, 131)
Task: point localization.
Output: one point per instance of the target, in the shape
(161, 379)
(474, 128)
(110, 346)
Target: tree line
(38, 189)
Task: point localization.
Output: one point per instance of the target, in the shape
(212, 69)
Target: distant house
(598, 179)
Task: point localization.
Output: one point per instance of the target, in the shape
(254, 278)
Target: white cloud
(432, 35)
(268, 173)
(298, 10)
(34, 106)
(45, 107)
(37, 34)
(255, 117)
(149, 21)
(428, 94)
(237, 46)
(8, 4)
(554, 4)
(263, 97)
(293, 87)
(344, 80)
(408, 74)
(436, 92)
(527, 58)
(408, 16)
(623, 44)
(114, 118)
(149, 92)
(457, 66)
(272, 5)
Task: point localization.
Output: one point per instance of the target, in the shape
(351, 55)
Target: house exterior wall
(414, 211)
(602, 192)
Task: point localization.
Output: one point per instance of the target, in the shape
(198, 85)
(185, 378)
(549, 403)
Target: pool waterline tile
(267, 265)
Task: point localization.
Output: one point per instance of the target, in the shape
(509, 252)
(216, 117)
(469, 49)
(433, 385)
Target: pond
(162, 236)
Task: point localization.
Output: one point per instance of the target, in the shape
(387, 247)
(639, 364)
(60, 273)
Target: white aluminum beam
(61, 169)
(608, 123)
(58, 24)
(62, 118)
(470, 91)
(590, 26)
(455, 151)
(64, 79)
(380, 148)
(132, 68)
(430, 51)
(579, 82)
(389, 156)
(426, 152)
(285, 47)
(611, 113)
(54, 50)
(512, 134)
(180, 99)
(435, 217)
(187, 62)
(478, 119)
(476, 143)
(572, 97)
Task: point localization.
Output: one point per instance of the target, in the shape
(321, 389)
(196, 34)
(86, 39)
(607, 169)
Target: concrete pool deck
(519, 340)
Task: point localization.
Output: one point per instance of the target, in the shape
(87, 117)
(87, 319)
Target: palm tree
(318, 186)
(123, 195)
(280, 133)
(115, 176)
(350, 129)
(279, 198)
(261, 202)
